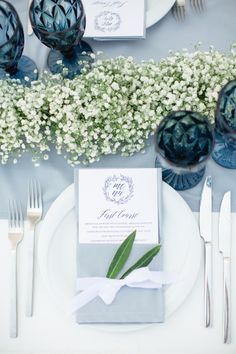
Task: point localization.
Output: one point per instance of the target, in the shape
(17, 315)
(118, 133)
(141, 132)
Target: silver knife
(225, 249)
(206, 234)
(159, 202)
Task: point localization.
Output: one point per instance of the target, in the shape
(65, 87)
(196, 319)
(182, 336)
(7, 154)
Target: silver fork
(178, 10)
(15, 235)
(34, 214)
(197, 5)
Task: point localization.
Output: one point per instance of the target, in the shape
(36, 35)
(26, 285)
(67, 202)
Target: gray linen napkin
(131, 305)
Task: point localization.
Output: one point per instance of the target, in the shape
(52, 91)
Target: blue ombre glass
(60, 25)
(184, 142)
(11, 47)
(225, 127)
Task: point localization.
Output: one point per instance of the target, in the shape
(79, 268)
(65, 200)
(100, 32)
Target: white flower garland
(111, 109)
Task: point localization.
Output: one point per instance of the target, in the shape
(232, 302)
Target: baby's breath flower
(113, 107)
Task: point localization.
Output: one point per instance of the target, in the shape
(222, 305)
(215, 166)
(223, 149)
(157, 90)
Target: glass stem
(68, 53)
(12, 70)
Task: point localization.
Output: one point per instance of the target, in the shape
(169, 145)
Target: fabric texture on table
(216, 26)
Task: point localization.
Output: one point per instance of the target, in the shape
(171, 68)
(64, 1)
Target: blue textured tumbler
(60, 25)
(225, 127)
(12, 63)
(184, 142)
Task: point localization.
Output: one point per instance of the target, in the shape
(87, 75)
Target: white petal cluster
(110, 109)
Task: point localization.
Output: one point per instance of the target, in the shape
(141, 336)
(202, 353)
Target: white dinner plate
(57, 249)
(156, 9)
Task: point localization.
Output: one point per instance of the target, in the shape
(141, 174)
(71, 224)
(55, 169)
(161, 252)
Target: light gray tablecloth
(215, 26)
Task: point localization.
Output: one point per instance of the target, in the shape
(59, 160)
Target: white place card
(111, 203)
(115, 19)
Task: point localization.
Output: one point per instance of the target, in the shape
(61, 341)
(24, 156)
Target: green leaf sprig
(144, 261)
(122, 255)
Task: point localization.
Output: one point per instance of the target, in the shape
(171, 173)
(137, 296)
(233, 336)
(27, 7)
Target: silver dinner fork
(197, 5)
(15, 235)
(34, 214)
(178, 10)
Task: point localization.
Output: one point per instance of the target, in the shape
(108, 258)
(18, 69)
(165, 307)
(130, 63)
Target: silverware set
(16, 233)
(34, 214)
(179, 8)
(206, 234)
(197, 5)
(224, 247)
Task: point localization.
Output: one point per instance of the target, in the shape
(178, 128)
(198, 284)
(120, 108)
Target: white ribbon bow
(107, 288)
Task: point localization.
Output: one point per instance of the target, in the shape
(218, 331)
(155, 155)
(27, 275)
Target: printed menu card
(111, 204)
(115, 19)
(114, 202)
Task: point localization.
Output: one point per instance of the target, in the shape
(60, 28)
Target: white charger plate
(156, 9)
(57, 250)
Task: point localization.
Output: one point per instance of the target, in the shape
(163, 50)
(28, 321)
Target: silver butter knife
(225, 249)
(206, 234)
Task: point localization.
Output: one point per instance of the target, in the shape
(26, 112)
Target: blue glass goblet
(225, 127)
(60, 25)
(184, 142)
(12, 63)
